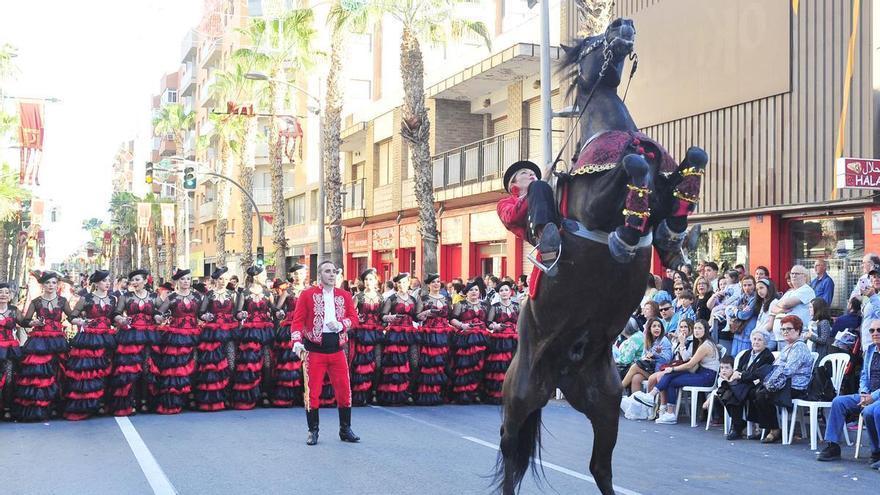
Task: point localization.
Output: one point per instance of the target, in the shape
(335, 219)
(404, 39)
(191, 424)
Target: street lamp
(316, 110)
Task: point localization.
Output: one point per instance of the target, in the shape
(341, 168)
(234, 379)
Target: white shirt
(329, 310)
(863, 283)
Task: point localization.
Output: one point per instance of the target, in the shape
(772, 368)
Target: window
(171, 96)
(383, 158)
(840, 241)
(295, 210)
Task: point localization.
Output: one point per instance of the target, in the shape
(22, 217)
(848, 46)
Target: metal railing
(487, 158)
(353, 198)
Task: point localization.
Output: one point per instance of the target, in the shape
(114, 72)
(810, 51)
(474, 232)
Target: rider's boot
(550, 247)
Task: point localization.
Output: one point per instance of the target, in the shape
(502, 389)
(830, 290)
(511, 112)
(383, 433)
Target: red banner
(30, 135)
(858, 173)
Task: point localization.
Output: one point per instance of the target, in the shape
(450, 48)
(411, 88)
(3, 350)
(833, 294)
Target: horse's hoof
(637, 168)
(667, 239)
(621, 252)
(696, 157)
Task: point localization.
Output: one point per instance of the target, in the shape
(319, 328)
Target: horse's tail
(517, 453)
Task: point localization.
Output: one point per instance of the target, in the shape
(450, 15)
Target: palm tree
(123, 220)
(434, 21)
(173, 120)
(282, 49)
(11, 196)
(332, 140)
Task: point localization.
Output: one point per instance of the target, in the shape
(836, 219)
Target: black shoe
(734, 434)
(549, 247)
(312, 419)
(831, 452)
(875, 456)
(345, 433)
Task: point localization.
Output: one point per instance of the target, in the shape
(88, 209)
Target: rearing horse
(622, 195)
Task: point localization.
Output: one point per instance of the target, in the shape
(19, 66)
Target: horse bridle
(607, 55)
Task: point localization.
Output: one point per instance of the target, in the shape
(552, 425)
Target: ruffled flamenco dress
(133, 341)
(287, 390)
(500, 351)
(173, 363)
(10, 354)
(469, 348)
(364, 335)
(43, 354)
(211, 378)
(256, 331)
(88, 363)
(433, 340)
(394, 376)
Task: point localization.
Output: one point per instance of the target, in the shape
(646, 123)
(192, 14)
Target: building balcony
(210, 52)
(188, 80)
(207, 93)
(207, 211)
(189, 144)
(479, 164)
(189, 46)
(353, 199)
(167, 146)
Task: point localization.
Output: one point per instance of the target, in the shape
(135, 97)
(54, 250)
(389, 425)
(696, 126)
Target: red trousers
(315, 367)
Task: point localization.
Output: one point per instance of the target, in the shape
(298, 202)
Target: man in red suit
(319, 330)
(530, 212)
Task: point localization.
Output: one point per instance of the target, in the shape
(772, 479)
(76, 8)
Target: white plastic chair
(838, 362)
(858, 435)
(727, 421)
(694, 396)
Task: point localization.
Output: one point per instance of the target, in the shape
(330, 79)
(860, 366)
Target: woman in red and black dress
(399, 314)
(36, 383)
(88, 364)
(502, 342)
(217, 311)
(173, 362)
(433, 343)
(287, 384)
(255, 311)
(365, 335)
(469, 342)
(136, 332)
(10, 352)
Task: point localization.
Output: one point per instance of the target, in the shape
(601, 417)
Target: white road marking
(157, 479)
(548, 465)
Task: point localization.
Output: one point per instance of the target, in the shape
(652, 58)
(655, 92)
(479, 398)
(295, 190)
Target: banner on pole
(30, 136)
(143, 220)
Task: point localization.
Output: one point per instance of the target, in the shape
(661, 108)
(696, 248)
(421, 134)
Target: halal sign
(857, 173)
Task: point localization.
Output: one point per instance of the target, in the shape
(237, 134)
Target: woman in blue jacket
(747, 310)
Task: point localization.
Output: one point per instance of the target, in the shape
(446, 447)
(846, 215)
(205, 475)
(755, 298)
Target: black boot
(312, 419)
(831, 452)
(345, 433)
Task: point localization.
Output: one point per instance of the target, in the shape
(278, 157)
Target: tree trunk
(17, 248)
(246, 179)
(224, 191)
(415, 129)
(277, 172)
(180, 216)
(332, 142)
(4, 251)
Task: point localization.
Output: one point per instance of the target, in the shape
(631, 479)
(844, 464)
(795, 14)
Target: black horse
(614, 210)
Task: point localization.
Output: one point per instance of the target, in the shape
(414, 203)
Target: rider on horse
(530, 213)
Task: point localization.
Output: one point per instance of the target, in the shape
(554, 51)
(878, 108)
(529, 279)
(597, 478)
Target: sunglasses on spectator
(787, 329)
(678, 288)
(874, 330)
(666, 308)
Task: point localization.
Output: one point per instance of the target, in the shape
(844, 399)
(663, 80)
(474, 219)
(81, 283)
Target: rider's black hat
(508, 174)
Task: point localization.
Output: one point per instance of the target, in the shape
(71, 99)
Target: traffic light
(260, 259)
(189, 178)
(148, 175)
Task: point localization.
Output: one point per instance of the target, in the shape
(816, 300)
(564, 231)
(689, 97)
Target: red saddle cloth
(608, 148)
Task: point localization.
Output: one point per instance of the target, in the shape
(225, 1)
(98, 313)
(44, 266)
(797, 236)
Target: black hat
(5, 285)
(200, 288)
(137, 272)
(476, 282)
(45, 276)
(296, 267)
(501, 284)
(216, 274)
(400, 276)
(363, 276)
(179, 274)
(431, 277)
(254, 270)
(278, 283)
(98, 276)
(508, 174)
(167, 286)
(874, 269)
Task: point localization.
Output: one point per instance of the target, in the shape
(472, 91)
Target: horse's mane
(571, 59)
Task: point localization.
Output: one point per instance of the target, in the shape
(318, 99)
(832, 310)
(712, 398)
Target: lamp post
(316, 110)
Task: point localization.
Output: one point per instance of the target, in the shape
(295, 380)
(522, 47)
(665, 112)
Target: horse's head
(599, 59)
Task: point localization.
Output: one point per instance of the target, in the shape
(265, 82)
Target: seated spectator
(767, 295)
(699, 371)
(867, 401)
(728, 294)
(745, 379)
(684, 305)
(650, 309)
(795, 301)
(667, 311)
(762, 272)
(819, 330)
(795, 363)
(703, 294)
(682, 350)
(870, 306)
(657, 351)
(725, 372)
(631, 348)
(743, 316)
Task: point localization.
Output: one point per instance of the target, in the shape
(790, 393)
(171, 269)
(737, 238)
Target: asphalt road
(439, 450)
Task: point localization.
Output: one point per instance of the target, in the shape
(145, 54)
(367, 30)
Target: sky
(104, 60)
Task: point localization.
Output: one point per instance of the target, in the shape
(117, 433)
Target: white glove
(299, 349)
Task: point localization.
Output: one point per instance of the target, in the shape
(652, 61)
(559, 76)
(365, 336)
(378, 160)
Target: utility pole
(546, 107)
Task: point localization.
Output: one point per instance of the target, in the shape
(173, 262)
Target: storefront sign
(451, 231)
(487, 226)
(858, 173)
(383, 239)
(409, 234)
(357, 241)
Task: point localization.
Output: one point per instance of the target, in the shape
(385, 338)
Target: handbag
(647, 365)
(676, 362)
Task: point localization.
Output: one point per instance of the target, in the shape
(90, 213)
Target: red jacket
(308, 317)
(513, 212)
